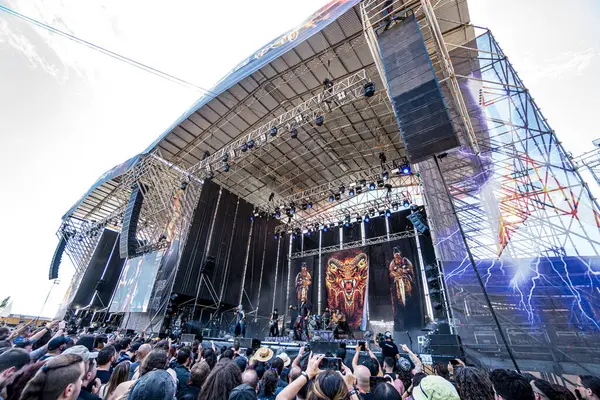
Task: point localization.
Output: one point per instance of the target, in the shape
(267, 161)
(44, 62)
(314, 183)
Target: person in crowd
(87, 341)
(441, 369)
(269, 387)
(140, 355)
(228, 353)
(90, 385)
(322, 385)
(241, 362)
(388, 367)
(247, 390)
(119, 375)
(342, 353)
(414, 358)
(198, 375)
(221, 381)
(12, 361)
(60, 378)
(434, 387)
(182, 367)
(106, 357)
(154, 385)
(510, 385)
(371, 363)
(388, 347)
(363, 376)
(278, 364)
(473, 384)
(125, 353)
(286, 367)
(250, 378)
(210, 357)
(588, 387)
(55, 347)
(157, 359)
(100, 341)
(386, 391)
(15, 388)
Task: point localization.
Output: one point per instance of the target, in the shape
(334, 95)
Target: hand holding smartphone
(332, 363)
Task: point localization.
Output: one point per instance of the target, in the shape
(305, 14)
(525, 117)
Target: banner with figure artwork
(346, 281)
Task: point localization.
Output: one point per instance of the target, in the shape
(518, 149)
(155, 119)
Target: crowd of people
(50, 364)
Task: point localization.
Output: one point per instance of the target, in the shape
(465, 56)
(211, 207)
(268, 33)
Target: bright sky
(68, 113)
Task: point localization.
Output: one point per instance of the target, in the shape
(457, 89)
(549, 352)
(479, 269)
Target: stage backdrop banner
(397, 292)
(346, 275)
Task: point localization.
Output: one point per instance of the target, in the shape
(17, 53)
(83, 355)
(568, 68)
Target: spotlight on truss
(351, 192)
(319, 120)
(372, 186)
(226, 167)
(244, 147)
(273, 131)
(294, 133)
(404, 169)
(369, 89)
(251, 143)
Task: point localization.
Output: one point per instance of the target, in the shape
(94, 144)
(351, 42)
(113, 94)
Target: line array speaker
(57, 258)
(127, 240)
(419, 104)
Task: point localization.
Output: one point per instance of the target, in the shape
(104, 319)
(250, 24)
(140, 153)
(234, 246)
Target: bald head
(362, 375)
(142, 352)
(295, 372)
(250, 378)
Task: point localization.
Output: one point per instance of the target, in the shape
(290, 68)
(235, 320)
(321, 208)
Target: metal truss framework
(341, 93)
(352, 245)
(517, 193)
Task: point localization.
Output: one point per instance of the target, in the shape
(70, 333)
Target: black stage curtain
(331, 237)
(375, 227)
(311, 241)
(399, 222)
(107, 285)
(352, 233)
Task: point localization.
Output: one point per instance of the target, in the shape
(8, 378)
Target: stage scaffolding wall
(528, 220)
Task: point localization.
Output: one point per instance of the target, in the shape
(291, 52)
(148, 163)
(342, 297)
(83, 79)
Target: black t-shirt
(104, 376)
(389, 349)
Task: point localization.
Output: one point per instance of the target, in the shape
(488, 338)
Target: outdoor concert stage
(383, 159)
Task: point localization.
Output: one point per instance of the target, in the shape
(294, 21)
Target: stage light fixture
(367, 218)
(351, 192)
(251, 143)
(395, 206)
(388, 187)
(276, 236)
(298, 118)
(362, 182)
(304, 206)
(405, 169)
(277, 213)
(271, 196)
(359, 219)
(226, 167)
(225, 157)
(406, 203)
(206, 155)
(372, 186)
(347, 224)
(183, 185)
(319, 120)
(324, 228)
(252, 218)
(369, 89)
(342, 189)
(358, 189)
(338, 196)
(331, 198)
(332, 225)
(273, 131)
(244, 147)
(385, 175)
(309, 205)
(341, 95)
(381, 213)
(294, 133)
(388, 213)
(293, 236)
(380, 183)
(210, 175)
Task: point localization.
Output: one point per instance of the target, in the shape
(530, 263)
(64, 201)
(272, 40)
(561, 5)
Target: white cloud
(569, 62)
(23, 45)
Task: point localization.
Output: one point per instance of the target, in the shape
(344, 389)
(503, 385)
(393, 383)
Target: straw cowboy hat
(263, 354)
(285, 358)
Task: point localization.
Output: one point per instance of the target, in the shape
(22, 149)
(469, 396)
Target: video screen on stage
(135, 285)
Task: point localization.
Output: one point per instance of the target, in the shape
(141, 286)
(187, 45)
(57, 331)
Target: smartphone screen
(332, 363)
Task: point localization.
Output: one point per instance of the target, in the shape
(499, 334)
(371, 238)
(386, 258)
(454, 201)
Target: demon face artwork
(346, 281)
(402, 277)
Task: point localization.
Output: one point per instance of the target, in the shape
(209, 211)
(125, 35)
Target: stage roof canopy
(283, 77)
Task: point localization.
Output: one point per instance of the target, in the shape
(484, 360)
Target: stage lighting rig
(351, 192)
(273, 131)
(293, 133)
(331, 198)
(406, 203)
(319, 120)
(404, 169)
(395, 206)
(183, 185)
(225, 157)
(388, 213)
(277, 213)
(380, 183)
(342, 189)
(385, 175)
(381, 213)
(338, 196)
(309, 205)
(367, 218)
(359, 218)
(276, 236)
(372, 186)
(271, 196)
(244, 147)
(226, 167)
(251, 144)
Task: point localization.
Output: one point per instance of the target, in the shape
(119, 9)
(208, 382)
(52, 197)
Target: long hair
(385, 391)
(119, 375)
(15, 389)
(221, 381)
(156, 359)
(54, 377)
(328, 385)
(269, 383)
(210, 357)
(472, 383)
